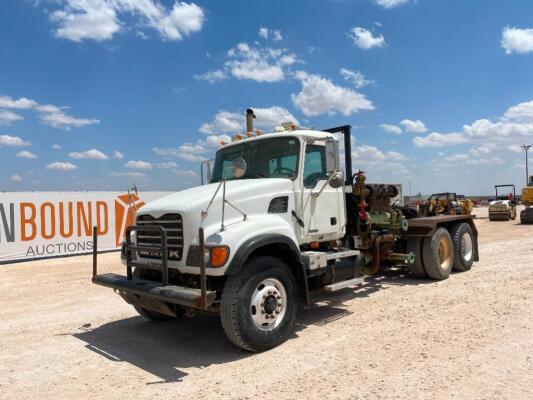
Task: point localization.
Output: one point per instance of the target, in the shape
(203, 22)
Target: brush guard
(148, 293)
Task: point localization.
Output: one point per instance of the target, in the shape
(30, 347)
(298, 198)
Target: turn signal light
(219, 256)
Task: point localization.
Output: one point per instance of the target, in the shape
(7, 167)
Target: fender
(249, 246)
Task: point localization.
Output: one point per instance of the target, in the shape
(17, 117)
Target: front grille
(173, 225)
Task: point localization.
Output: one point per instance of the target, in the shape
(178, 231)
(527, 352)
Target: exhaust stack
(250, 120)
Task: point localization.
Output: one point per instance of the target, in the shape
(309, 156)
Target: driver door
(324, 213)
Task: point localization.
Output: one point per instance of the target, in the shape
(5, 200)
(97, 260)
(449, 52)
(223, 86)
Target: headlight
(214, 256)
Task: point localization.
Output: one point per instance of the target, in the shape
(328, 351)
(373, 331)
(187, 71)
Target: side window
(314, 165)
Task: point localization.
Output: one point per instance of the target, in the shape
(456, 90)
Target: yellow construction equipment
(526, 216)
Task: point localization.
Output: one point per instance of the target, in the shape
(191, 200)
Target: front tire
(437, 252)
(463, 246)
(259, 304)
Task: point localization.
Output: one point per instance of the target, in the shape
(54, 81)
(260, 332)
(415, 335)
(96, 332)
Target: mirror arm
(330, 177)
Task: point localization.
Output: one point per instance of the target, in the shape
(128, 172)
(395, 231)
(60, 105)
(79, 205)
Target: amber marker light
(219, 256)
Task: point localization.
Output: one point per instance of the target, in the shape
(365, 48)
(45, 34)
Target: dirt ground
(470, 336)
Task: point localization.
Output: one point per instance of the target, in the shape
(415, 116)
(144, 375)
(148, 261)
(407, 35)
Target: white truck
(277, 222)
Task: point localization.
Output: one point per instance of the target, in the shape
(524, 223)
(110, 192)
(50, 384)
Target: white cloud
(189, 173)
(8, 117)
(269, 118)
(266, 119)
(390, 3)
(98, 20)
(463, 159)
(20, 104)
(48, 114)
(263, 32)
(15, 178)
(61, 166)
(25, 154)
(356, 78)
(167, 165)
(199, 151)
(128, 174)
(86, 19)
(259, 64)
(184, 19)
(56, 147)
(390, 128)
(89, 154)
(516, 40)
(138, 165)
(63, 121)
(515, 125)
(266, 33)
(522, 112)
(365, 39)
(118, 155)
(14, 141)
(224, 121)
(212, 76)
(371, 158)
(436, 139)
(320, 96)
(413, 126)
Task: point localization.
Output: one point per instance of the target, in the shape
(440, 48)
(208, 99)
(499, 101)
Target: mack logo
(151, 253)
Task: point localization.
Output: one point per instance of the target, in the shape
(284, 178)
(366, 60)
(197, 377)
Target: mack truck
(278, 222)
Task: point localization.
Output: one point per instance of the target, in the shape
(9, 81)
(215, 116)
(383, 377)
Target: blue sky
(440, 92)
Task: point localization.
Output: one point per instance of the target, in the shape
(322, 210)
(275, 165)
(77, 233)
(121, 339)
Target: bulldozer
(526, 215)
(445, 204)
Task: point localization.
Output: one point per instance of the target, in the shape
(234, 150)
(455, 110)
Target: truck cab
(277, 221)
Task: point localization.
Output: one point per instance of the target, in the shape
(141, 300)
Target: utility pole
(526, 148)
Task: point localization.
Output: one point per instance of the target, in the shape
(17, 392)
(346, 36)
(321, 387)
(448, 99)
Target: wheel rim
(268, 304)
(466, 247)
(445, 253)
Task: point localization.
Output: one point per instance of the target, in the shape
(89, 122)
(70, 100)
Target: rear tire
(463, 246)
(259, 304)
(149, 314)
(416, 269)
(437, 252)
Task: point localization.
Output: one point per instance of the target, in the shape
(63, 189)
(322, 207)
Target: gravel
(470, 336)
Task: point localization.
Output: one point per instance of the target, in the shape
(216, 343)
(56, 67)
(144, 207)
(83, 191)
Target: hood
(197, 198)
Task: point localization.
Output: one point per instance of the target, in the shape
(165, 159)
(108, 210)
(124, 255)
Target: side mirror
(332, 156)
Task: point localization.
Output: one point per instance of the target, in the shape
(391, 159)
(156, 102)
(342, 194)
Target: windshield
(265, 158)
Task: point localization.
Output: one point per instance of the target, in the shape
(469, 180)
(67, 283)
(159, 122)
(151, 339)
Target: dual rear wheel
(436, 256)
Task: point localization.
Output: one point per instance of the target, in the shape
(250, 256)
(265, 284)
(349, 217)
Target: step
(319, 259)
(344, 284)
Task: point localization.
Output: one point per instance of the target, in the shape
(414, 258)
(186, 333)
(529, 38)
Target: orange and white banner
(51, 224)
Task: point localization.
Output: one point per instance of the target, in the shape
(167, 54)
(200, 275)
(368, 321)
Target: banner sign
(50, 224)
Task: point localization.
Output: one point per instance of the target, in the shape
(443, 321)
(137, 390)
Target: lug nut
(265, 296)
(278, 311)
(279, 304)
(270, 292)
(262, 304)
(278, 297)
